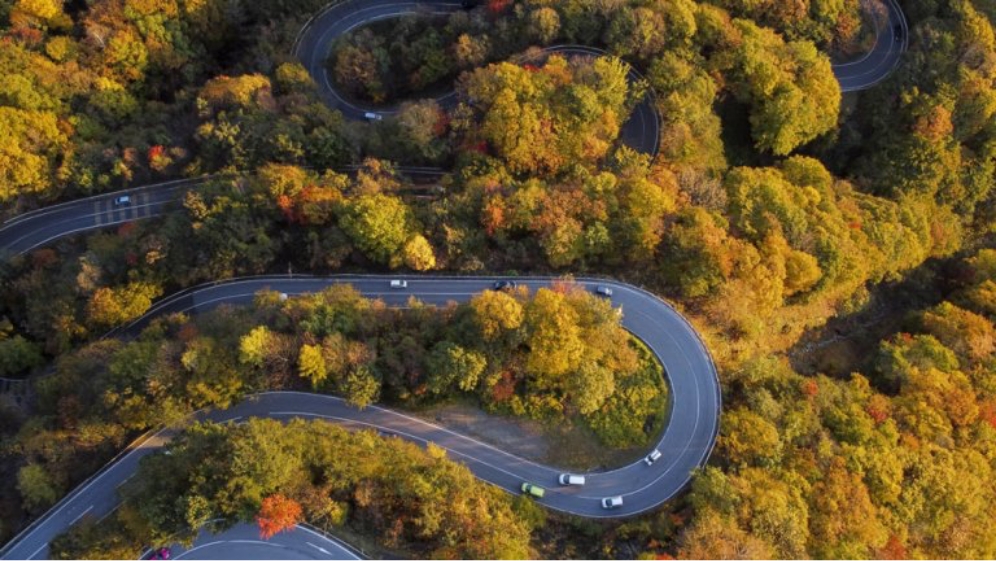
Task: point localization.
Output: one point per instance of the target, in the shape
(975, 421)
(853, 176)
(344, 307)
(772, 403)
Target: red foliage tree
(504, 389)
(277, 514)
(493, 216)
(442, 124)
(286, 206)
(810, 388)
(987, 411)
(893, 549)
(156, 152)
(498, 6)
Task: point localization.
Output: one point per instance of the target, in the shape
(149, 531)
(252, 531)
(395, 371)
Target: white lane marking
(346, 548)
(32, 556)
(82, 514)
(98, 215)
(113, 510)
(878, 37)
(476, 282)
(322, 549)
(407, 435)
(49, 516)
(166, 186)
(78, 230)
(218, 542)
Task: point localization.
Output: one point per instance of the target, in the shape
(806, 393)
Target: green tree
(451, 365)
(378, 224)
(17, 354)
(793, 92)
(38, 490)
(361, 387)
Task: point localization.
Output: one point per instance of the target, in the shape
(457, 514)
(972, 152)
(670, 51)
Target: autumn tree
(278, 514)
(794, 95)
(254, 346)
(37, 488)
(554, 340)
(451, 365)
(109, 307)
(379, 225)
(311, 365)
(496, 312)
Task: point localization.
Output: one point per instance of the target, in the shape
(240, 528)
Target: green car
(530, 489)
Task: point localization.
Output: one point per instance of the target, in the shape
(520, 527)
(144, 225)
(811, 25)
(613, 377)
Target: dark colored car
(897, 30)
(162, 553)
(505, 285)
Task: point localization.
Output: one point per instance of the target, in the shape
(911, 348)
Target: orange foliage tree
(276, 514)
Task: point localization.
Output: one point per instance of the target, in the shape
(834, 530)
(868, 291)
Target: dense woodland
(411, 499)
(777, 205)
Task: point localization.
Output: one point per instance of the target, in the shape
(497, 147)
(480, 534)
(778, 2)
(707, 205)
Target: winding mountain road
(640, 132)
(892, 40)
(319, 34)
(686, 442)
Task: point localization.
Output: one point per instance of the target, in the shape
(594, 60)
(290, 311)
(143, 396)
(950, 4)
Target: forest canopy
(835, 249)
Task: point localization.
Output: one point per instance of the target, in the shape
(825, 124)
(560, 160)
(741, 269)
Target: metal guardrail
(69, 496)
(8, 383)
(161, 304)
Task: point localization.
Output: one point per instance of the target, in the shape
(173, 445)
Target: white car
(652, 457)
(568, 479)
(123, 200)
(373, 116)
(612, 502)
(398, 283)
(603, 291)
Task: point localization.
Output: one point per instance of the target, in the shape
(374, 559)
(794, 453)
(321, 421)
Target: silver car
(652, 457)
(612, 502)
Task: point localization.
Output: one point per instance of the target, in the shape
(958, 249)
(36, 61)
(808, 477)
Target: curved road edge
(313, 43)
(686, 443)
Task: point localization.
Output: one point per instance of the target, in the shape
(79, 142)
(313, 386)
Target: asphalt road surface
(877, 64)
(685, 444)
(640, 132)
(35, 229)
(46, 225)
(243, 542)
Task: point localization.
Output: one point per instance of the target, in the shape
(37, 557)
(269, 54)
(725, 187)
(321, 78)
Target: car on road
(568, 479)
(162, 553)
(533, 490)
(897, 31)
(123, 200)
(505, 285)
(612, 502)
(399, 283)
(373, 116)
(602, 290)
(652, 457)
